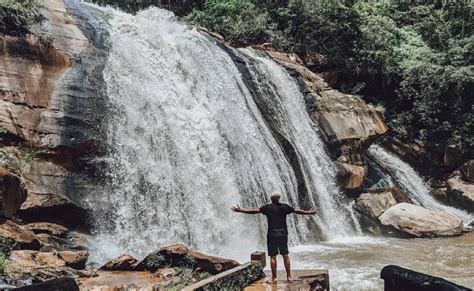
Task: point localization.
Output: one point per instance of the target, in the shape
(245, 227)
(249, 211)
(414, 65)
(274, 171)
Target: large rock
(467, 171)
(351, 176)
(375, 204)
(22, 236)
(421, 222)
(179, 255)
(461, 192)
(35, 259)
(398, 278)
(121, 263)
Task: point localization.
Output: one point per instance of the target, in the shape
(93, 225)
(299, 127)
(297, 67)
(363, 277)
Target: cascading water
(187, 141)
(412, 184)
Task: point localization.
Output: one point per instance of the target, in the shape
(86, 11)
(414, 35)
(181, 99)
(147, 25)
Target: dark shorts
(277, 245)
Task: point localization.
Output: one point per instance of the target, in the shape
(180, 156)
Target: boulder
(74, 259)
(21, 235)
(48, 228)
(35, 259)
(123, 262)
(375, 204)
(461, 192)
(398, 278)
(351, 176)
(179, 255)
(421, 222)
(467, 171)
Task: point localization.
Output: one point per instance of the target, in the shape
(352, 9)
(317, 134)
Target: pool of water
(355, 263)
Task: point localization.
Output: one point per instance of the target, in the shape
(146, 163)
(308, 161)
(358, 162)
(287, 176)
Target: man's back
(276, 215)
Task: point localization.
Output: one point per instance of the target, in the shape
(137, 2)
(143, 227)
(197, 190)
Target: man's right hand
(236, 208)
(305, 212)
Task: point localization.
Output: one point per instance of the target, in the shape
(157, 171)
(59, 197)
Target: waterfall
(187, 140)
(412, 184)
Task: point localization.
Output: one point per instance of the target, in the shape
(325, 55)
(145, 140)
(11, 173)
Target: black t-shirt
(276, 215)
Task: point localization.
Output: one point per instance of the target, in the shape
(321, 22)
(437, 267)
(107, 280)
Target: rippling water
(355, 263)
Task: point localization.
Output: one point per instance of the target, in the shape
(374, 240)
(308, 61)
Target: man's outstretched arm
(245, 210)
(305, 212)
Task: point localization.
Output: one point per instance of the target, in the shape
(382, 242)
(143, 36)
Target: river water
(355, 263)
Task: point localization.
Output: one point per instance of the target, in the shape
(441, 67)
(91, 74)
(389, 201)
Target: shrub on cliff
(242, 22)
(18, 17)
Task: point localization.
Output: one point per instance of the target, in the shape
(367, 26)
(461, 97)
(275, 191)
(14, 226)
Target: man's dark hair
(275, 197)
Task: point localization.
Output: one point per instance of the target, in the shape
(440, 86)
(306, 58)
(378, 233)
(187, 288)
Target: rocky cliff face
(50, 98)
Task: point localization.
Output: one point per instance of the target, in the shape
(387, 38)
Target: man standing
(277, 235)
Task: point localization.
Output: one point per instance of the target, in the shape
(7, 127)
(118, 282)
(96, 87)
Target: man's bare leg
(286, 260)
(273, 265)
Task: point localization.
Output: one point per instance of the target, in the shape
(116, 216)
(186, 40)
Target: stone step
(310, 279)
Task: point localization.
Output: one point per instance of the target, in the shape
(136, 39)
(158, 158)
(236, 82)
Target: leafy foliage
(155, 261)
(415, 59)
(6, 245)
(18, 17)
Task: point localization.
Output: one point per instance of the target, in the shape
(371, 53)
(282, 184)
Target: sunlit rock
(421, 222)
